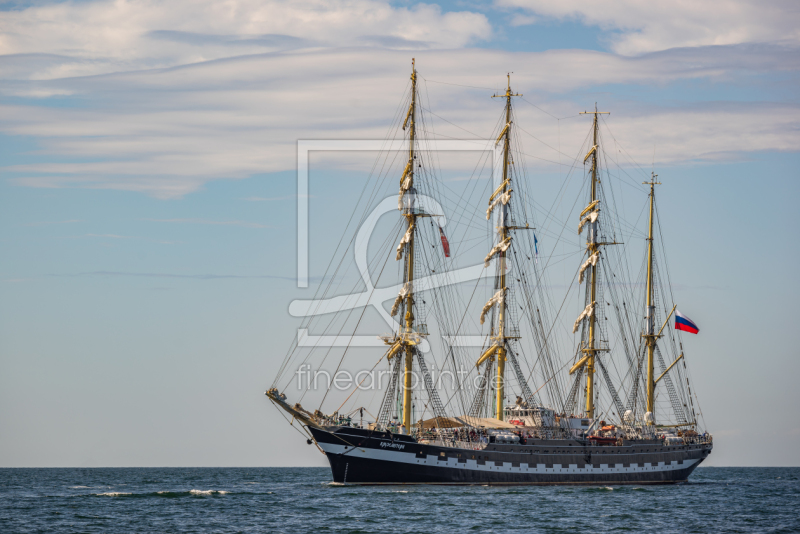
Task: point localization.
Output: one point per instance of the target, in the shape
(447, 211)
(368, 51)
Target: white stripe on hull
(453, 463)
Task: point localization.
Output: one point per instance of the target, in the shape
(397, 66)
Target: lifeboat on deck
(603, 440)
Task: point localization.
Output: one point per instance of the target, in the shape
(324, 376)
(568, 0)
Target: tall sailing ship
(615, 408)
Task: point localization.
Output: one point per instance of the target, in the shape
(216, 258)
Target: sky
(148, 193)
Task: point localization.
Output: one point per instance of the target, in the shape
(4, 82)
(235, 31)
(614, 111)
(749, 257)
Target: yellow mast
(592, 246)
(501, 350)
(412, 219)
(650, 336)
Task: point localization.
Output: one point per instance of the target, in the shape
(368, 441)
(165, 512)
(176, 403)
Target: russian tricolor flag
(684, 323)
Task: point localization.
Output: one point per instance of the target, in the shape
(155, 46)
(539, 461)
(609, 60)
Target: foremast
(501, 197)
(403, 345)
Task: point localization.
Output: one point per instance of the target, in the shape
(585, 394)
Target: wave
(164, 493)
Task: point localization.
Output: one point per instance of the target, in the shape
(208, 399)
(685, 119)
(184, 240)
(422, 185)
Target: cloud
(523, 20)
(162, 98)
(270, 199)
(172, 275)
(49, 223)
(638, 27)
(167, 132)
(111, 236)
(205, 221)
(111, 36)
(118, 236)
(466, 178)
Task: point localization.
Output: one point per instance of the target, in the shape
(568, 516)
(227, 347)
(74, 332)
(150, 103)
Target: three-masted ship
(616, 408)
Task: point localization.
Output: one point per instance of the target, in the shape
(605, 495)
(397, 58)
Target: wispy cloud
(48, 223)
(112, 35)
(111, 236)
(270, 199)
(187, 100)
(206, 221)
(523, 20)
(190, 128)
(637, 27)
(118, 236)
(174, 275)
(466, 178)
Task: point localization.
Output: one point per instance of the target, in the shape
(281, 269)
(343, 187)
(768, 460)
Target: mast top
(508, 92)
(652, 181)
(595, 112)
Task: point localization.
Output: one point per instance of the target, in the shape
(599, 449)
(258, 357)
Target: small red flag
(445, 243)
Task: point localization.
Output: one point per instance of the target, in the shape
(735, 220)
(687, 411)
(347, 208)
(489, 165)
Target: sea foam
(207, 492)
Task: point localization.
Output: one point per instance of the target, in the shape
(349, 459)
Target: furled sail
(491, 351)
(591, 151)
(496, 299)
(406, 239)
(405, 184)
(502, 133)
(400, 296)
(591, 260)
(500, 247)
(404, 292)
(587, 312)
(590, 218)
(504, 198)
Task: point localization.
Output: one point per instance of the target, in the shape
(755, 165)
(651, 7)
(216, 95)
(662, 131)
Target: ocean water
(295, 500)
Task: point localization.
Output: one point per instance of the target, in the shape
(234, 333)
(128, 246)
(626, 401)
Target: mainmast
(650, 335)
(591, 348)
(501, 315)
(407, 183)
(501, 196)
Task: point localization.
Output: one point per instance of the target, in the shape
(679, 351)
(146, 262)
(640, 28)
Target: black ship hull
(359, 456)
